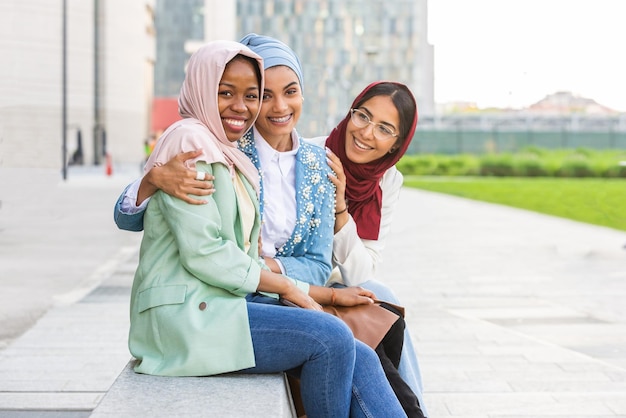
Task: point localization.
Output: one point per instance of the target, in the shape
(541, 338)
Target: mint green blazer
(188, 315)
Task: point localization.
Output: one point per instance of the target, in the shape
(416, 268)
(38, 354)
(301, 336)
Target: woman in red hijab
(363, 150)
(369, 141)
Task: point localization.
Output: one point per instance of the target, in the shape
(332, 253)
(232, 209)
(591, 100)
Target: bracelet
(341, 211)
(333, 295)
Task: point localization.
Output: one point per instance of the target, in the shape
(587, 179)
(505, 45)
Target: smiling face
(238, 97)
(282, 104)
(361, 146)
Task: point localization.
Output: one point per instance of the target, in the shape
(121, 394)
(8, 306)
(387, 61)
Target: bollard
(109, 165)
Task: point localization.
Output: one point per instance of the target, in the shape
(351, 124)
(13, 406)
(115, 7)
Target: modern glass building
(343, 46)
(176, 22)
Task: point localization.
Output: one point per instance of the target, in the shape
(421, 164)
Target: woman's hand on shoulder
(175, 179)
(339, 180)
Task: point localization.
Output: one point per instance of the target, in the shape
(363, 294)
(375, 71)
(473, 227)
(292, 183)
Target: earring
(302, 98)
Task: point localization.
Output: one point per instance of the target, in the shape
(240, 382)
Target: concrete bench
(233, 395)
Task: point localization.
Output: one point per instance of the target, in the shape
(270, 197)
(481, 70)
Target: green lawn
(594, 201)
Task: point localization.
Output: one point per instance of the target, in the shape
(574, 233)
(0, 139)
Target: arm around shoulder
(127, 215)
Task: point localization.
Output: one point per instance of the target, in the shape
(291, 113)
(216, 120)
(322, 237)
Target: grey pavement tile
(551, 385)
(554, 354)
(618, 406)
(49, 401)
(526, 404)
(122, 279)
(591, 331)
(57, 344)
(108, 293)
(545, 374)
(444, 333)
(450, 348)
(559, 416)
(493, 385)
(60, 383)
(619, 363)
(44, 414)
(445, 362)
(602, 366)
(537, 352)
(617, 375)
(501, 337)
(520, 364)
(67, 363)
(615, 402)
(603, 351)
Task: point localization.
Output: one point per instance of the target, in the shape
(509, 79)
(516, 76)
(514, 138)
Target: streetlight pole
(64, 90)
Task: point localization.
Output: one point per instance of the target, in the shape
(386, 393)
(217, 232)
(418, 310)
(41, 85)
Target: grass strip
(591, 200)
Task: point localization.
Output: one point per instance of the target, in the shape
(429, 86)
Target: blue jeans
(409, 368)
(339, 376)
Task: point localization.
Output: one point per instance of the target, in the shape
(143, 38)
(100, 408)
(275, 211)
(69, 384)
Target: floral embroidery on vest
(311, 192)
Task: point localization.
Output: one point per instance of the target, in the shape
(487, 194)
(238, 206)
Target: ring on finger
(200, 175)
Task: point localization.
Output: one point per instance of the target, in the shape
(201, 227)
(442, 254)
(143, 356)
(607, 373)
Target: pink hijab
(201, 126)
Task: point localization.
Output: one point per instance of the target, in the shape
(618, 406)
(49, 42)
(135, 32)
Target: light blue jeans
(339, 376)
(409, 368)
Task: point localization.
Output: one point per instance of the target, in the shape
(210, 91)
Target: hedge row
(529, 162)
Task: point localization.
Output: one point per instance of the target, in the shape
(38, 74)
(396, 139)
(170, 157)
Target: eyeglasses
(361, 120)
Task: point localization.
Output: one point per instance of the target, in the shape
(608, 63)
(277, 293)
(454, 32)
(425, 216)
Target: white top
(278, 174)
(129, 200)
(356, 259)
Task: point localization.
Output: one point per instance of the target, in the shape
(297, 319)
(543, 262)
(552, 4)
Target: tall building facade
(109, 56)
(177, 23)
(343, 46)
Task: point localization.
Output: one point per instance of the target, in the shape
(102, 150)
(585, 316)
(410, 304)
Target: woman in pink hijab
(189, 314)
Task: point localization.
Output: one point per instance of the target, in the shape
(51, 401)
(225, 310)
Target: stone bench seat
(232, 395)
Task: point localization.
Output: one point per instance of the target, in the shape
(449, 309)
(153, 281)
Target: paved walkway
(514, 314)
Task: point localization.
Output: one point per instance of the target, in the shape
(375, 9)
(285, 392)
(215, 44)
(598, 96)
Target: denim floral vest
(307, 254)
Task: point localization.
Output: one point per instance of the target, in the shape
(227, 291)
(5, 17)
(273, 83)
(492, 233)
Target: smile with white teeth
(235, 122)
(362, 145)
(281, 119)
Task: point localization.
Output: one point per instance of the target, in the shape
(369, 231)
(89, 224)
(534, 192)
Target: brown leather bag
(369, 323)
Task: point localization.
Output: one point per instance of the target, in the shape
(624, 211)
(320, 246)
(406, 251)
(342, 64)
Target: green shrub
(496, 165)
(530, 162)
(528, 165)
(615, 171)
(463, 165)
(575, 165)
(418, 164)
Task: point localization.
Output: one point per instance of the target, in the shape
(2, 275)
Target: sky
(513, 53)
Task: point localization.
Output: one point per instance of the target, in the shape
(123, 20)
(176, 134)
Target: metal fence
(503, 133)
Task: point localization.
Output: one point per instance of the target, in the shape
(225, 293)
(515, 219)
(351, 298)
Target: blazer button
(202, 306)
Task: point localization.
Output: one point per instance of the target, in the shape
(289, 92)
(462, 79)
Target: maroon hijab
(363, 191)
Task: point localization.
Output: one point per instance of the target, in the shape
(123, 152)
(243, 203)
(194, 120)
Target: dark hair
(402, 99)
(255, 65)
